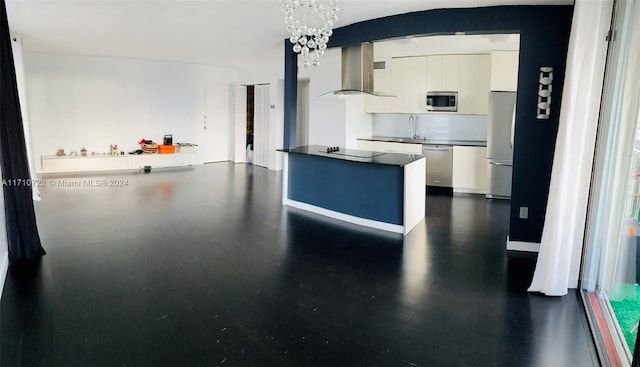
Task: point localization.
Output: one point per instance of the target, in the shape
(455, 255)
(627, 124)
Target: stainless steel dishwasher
(439, 165)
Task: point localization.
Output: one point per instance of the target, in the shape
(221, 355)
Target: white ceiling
(238, 33)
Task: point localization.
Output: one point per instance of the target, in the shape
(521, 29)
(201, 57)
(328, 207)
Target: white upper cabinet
(466, 84)
(466, 74)
(482, 83)
(381, 83)
(442, 73)
(417, 84)
(450, 72)
(400, 84)
(504, 71)
(409, 79)
(434, 73)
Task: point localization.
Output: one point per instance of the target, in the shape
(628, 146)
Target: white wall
(327, 114)
(92, 102)
(265, 74)
(432, 126)
(358, 124)
(240, 124)
(276, 134)
(333, 120)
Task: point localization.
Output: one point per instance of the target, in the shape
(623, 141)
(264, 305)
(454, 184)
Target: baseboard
(573, 283)
(522, 246)
(459, 190)
(345, 217)
(4, 268)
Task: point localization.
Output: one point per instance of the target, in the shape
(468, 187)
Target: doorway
(249, 123)
(261, 125)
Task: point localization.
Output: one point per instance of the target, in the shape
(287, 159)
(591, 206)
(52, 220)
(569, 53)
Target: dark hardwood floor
(203, 266)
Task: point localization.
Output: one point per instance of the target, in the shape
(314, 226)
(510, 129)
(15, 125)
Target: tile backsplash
(432, 126)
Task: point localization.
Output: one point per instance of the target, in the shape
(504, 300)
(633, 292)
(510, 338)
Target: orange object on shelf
(166, 149)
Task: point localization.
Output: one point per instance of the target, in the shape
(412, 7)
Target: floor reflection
(415, 266)
(205, 266)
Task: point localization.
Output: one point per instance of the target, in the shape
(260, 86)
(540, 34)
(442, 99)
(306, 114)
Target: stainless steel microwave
(442, 101)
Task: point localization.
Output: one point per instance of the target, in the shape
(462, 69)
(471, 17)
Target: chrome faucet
(413, 127)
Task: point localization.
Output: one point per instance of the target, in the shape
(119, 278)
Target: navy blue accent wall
(290, 95)
(363, 190)
(544, 38)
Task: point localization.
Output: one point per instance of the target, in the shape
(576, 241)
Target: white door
(261, 134)
(216, 130)
(240, 125)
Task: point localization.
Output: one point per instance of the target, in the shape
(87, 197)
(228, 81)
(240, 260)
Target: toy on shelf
(83, 152)
(148, 146)
(113, 149)
(166, 149)
(60, 153)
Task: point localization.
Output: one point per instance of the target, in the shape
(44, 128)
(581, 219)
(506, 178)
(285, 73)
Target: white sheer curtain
(18, 61)
(563, 231)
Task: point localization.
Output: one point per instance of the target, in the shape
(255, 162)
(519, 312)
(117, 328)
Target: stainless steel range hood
(357, 71)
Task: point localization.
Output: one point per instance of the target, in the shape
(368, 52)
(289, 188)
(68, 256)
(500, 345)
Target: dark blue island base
(375, 189)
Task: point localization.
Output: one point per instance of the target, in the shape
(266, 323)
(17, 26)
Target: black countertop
(353, 155)
(393, 139)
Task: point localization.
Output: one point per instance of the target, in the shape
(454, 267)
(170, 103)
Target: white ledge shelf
(91, 163)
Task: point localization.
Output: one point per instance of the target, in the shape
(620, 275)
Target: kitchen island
(374, 189)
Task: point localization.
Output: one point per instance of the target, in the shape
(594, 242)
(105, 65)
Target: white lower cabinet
(387, 146)
(470, 166)
(470, 169)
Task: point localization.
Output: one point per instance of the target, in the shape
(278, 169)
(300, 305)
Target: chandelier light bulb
(309, 22)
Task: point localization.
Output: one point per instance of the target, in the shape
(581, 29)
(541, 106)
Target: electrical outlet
(524, 212)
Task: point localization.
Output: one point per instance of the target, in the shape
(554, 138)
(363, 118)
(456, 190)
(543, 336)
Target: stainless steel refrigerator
(500, 127)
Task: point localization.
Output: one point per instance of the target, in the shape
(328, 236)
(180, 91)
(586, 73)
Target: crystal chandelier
(310, 23)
